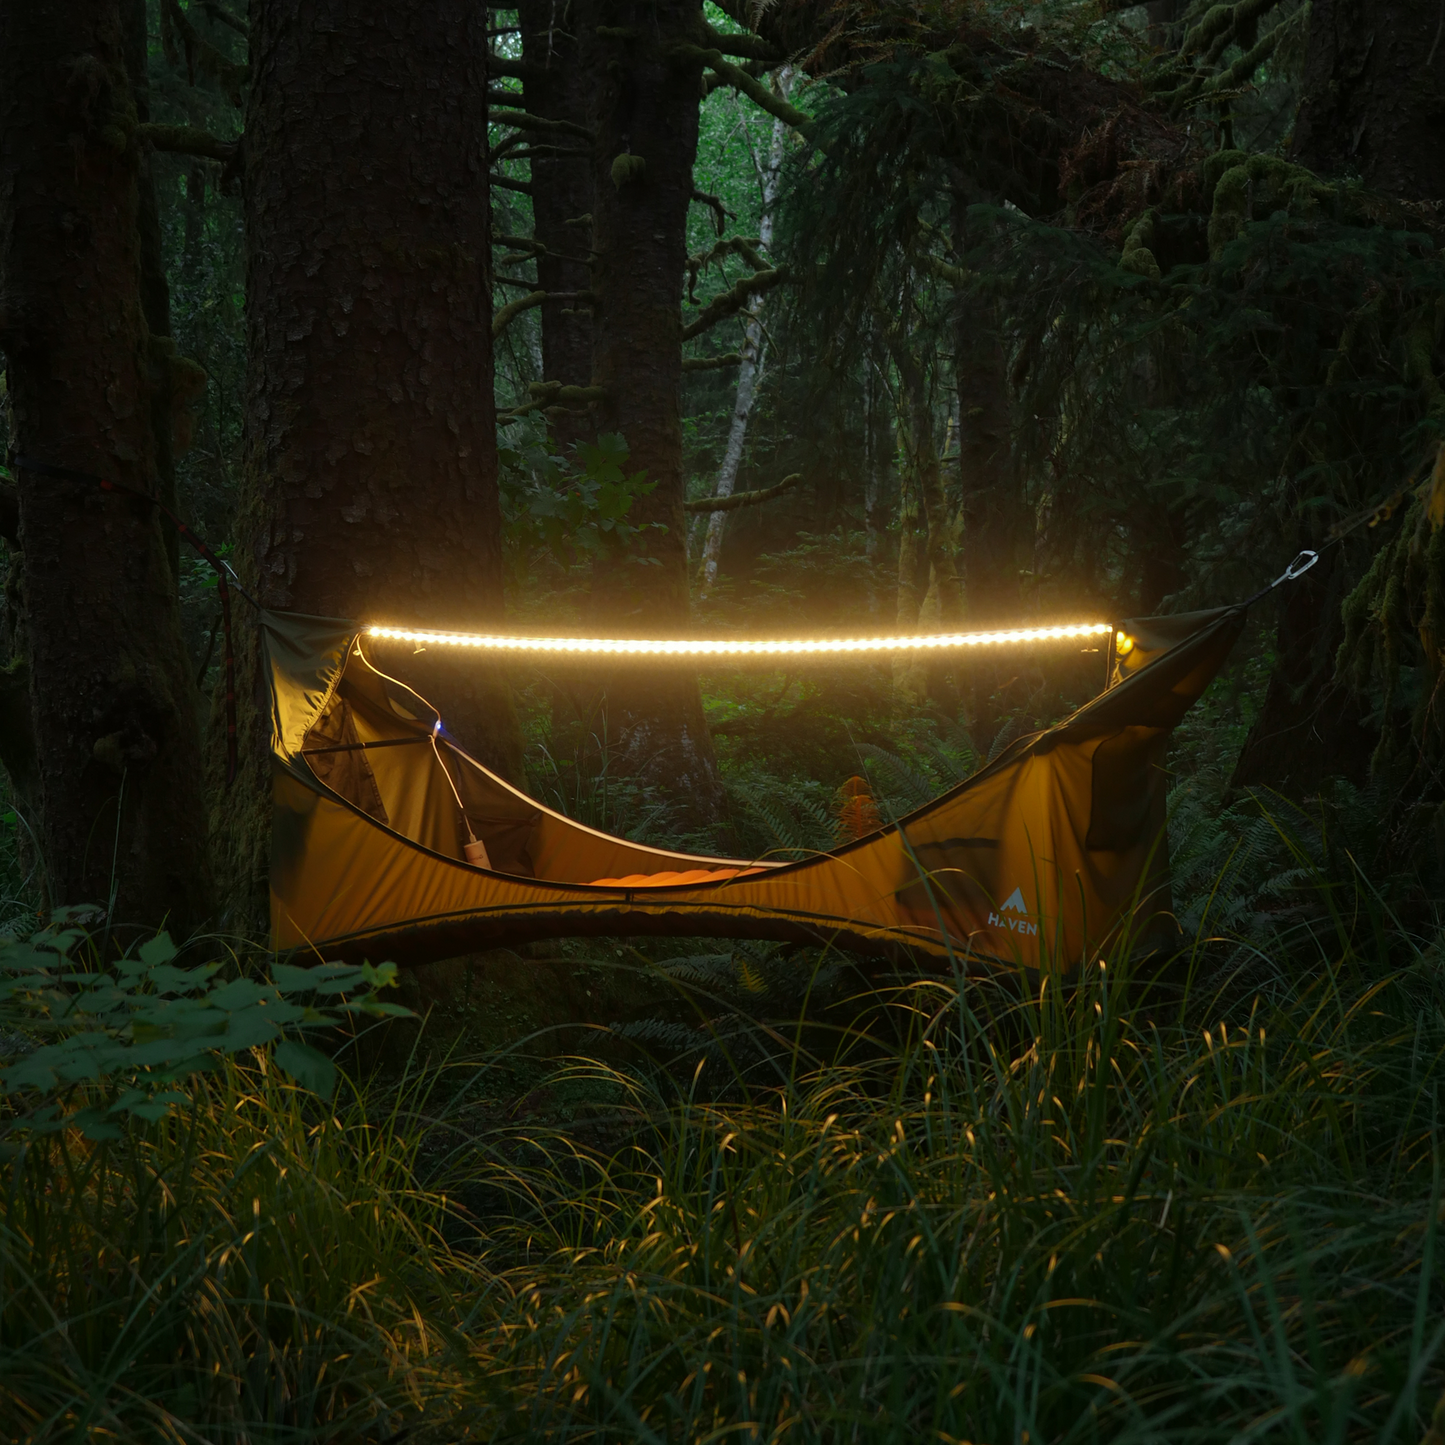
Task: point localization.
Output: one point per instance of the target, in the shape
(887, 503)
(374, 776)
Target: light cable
(730, 647)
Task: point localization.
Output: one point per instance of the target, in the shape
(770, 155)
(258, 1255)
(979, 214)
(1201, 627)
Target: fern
(789, 817)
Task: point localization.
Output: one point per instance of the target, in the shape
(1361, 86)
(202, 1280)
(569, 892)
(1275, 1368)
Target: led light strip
(726, 647)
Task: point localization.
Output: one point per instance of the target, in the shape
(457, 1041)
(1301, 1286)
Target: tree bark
(879, 450)
(1311, 726)
(998, 529)
(750, 369)
(646, 118)
(370, 471)
(1374, 102)
(910, 678)
(155, 292)
(558, 86)
(117, 748)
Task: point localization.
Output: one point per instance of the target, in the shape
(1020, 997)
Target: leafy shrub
(139, 1027)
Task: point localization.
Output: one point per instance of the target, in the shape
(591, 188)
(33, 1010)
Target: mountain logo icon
(1020, 923)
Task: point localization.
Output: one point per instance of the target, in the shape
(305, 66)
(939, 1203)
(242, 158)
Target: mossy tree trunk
(1374, 103)
(113, 708)
(1311, 726)
(370, 473)
(646, 120)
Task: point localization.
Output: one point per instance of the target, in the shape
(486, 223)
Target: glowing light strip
(727, 647)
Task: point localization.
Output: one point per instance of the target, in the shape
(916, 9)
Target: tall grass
(265, 1267)
(1078, 1219)
(1198, 1209)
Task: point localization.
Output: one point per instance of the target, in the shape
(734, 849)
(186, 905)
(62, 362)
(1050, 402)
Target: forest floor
(702, 1190)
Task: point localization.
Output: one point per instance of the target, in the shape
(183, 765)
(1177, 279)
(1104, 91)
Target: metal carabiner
(1297, 568)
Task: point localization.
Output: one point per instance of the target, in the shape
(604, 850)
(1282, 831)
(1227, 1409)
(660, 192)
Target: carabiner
(1297, 568)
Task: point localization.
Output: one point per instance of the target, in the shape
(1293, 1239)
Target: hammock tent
(1036, 859)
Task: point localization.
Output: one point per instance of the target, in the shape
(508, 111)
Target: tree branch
(733, 300)
(529, 246)
(187, 140)
(513, 309)
(525, 120)
(954, 275)
(711, 363)
(742, 499)
(733, 246)
(506, 183)
(547, 394)
(711, 80)
(749, 46)
(755, 90)
(542, 152)
(9, 513)
(720, 212)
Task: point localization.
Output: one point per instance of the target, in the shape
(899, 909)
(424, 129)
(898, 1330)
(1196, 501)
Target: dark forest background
(810, 317)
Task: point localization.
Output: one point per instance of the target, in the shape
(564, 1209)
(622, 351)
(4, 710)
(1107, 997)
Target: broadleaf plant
(140, 1027)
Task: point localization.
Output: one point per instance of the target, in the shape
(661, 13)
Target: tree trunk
(155, 292)
(997, 529)
(1374, 103)
(1311, 726)
(770, 173)
(647, 114)
(113, 708)
(370, 485)
(910, 678)
(879, 448)
(558, 86)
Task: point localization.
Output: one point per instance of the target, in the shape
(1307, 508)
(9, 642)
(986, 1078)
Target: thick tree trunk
(370, 487)
(155, 292)
(559, 86)
(1374, 82)
(1311, 726)
(113, 708)
(646, 117)
(1374, 105)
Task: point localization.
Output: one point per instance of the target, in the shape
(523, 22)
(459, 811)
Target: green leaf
(157, 950)
(308, 1066)
(249, 1029)
(239, 993)
(181, 980)
(379, 975)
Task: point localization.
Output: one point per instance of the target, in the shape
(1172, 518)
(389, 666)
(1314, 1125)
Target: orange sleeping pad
(674, 880)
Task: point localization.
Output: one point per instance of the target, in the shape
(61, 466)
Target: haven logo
(1014, 916)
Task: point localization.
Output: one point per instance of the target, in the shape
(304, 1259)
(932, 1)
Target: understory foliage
(1202, 1206)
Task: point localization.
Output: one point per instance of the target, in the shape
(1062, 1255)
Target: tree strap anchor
(1297, 568)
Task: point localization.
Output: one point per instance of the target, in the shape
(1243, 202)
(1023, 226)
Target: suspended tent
(1040, 857)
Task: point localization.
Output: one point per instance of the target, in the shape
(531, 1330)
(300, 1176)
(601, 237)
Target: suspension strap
(221, 569)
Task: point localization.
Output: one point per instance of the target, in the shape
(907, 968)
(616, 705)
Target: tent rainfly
(1039, 859)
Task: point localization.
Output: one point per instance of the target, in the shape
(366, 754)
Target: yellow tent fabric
(1036, 860)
